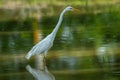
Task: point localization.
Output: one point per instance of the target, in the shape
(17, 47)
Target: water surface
(86, 47)
(67, 60)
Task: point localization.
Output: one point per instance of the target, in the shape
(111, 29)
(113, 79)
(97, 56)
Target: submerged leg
(40, 62)
(45, 53)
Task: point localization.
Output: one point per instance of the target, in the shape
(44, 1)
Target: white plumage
(41, 47)
(44, 45)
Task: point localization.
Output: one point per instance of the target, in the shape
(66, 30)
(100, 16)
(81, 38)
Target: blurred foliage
(97, 22)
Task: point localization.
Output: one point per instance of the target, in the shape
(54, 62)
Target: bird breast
(45, 44)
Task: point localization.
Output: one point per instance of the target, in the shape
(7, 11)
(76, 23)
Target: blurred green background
(86, 45)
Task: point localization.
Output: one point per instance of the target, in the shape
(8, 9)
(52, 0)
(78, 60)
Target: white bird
(44, 45)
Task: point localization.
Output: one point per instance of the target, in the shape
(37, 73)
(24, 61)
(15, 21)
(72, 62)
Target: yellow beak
(76, 10)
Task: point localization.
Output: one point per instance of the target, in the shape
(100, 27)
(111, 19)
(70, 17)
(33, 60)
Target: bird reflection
(40, 74)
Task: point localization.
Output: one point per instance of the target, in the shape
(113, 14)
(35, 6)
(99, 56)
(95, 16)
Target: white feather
(44, 45)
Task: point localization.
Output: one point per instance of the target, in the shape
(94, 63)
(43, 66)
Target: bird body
(44, 45)
(41, 47)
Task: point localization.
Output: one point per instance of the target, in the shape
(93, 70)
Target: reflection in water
(36, 32)
(66, 62)
(106, 55)
(12, 42)
(40, 74)
(67, 35)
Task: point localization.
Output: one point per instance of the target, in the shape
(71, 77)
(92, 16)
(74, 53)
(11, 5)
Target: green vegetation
(97, 22)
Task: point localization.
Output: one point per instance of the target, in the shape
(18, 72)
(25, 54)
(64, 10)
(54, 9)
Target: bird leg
(44, 62)
(40, 62)
(44, 57)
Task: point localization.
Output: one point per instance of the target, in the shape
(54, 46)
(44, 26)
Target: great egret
(44, 45)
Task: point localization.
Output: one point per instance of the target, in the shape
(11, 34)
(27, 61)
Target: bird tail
(32, 52)
(28, 55)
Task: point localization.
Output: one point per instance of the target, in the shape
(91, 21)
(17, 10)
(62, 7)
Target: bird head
(69, 8)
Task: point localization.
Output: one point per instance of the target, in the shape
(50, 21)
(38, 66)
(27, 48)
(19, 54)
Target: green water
(86, 47)
(69, 58)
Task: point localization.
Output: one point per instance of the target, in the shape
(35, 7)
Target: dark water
(69, 59)
(80, 52)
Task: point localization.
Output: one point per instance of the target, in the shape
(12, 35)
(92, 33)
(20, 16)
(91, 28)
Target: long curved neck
(58, 24)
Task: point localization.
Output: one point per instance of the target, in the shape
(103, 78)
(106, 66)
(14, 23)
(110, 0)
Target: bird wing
(40, 47)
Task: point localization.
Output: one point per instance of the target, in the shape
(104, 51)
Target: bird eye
(70, 7)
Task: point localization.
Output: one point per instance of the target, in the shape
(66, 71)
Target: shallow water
(69, 59)
(80, 51)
